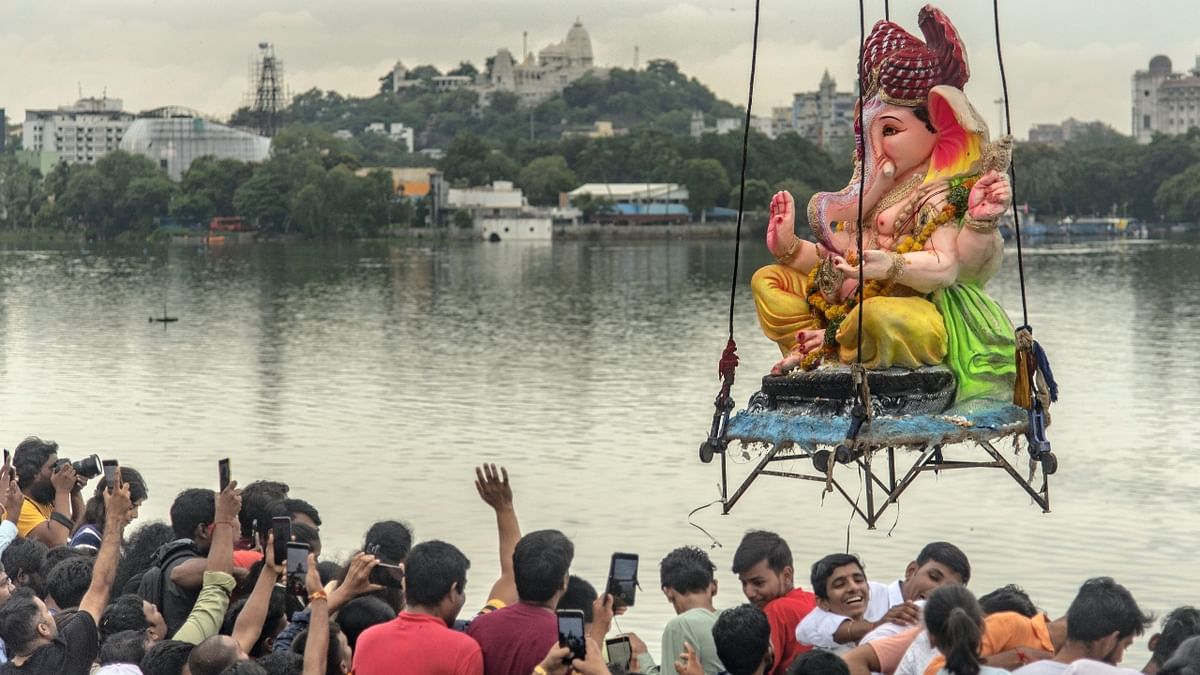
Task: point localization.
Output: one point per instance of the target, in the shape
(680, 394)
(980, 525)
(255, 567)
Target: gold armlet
(899, 265)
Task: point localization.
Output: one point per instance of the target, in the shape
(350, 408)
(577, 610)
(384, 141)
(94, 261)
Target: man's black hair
(137, 552)
(1102, 607)
(431, 570)
(166, 657)
(329, 570)
(743, 636)
(759, 545)
(360, 614)
(56, 555)
(29, 458)
(127, 646)
(246, 667)
(1181, 624)
(123, 614)
(306, 534)
(18, 621)
(579, 595)
(68, 582)
(27, 556)
(286, 663)
(949, 555)
(1010, 598)
(192, 508)
(333, 657)
(818, 662)
(255, 498)
(295, 506)
(1185, 660)
(687, 569)
(541, 561)
(388, 540)
(823, 569)
(213, 656)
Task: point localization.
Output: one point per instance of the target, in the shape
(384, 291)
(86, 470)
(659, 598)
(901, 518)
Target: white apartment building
(83, 132)
(825, 116)
(1165, 101)
(396, 131)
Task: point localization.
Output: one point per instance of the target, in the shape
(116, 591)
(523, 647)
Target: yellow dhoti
(907, 332)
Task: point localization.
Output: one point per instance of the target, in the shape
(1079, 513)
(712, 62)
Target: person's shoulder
(380, 631)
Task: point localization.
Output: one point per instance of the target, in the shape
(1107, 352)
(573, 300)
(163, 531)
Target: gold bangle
(899, 265)
(317, 595)
(539, 670)
(787, 256)
(984, 226)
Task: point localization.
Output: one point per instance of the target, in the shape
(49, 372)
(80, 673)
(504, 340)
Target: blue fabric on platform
(776, 427)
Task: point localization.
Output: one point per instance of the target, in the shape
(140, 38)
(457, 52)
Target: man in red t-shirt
(763, 563)
(420, 641)
(516, 638)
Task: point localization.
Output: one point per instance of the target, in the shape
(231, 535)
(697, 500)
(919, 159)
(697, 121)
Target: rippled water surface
(372, 377)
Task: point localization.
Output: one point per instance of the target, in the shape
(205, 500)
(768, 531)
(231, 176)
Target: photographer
(53, 502)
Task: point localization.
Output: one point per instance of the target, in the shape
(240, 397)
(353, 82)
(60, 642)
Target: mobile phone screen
(620, 652)
(570, 633)
(281, 527)
(110, 473)
(223, 473)
(297, 567)
(622, 579)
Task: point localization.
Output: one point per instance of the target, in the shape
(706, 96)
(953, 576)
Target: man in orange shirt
(763, 563)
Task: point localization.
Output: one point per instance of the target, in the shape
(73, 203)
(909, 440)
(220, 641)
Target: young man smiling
(763, 563)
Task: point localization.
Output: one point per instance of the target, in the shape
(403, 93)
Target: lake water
(372, 377)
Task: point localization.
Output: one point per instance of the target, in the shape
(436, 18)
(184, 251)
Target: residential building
(396, 131)
(83, 132)
(1057, 134)
(726, 125)
(500, 198)
(174, 137)
(825, 116)
(601, 129)
(1165, 101)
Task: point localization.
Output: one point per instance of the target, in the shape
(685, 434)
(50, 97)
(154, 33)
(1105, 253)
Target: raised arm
(12, 500)
(208, 612)
(494, 489)
(56, 532)
(248, 627)
(317, 645)
(118, 508)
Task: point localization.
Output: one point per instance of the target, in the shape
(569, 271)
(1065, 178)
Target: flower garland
(829, 316)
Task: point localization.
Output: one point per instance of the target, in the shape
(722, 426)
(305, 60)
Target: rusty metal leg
(727, 504)
(869, 479)
(1042, 498)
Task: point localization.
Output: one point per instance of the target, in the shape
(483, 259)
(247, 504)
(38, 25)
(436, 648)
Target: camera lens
(89, 467)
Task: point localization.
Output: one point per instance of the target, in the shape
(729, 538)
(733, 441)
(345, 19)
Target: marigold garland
(829, 316)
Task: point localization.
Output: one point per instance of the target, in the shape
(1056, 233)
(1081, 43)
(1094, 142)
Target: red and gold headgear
(901, 69)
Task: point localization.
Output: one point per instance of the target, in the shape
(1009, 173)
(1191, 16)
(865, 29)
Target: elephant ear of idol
(962, 135)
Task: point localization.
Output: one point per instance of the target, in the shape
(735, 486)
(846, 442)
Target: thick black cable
(887, 10)
(1012, 165)
(737, 241)
(862, 172)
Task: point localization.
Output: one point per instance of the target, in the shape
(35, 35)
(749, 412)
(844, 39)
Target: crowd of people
(211, 594)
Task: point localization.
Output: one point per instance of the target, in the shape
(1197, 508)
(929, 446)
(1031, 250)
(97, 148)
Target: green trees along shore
(321, 185)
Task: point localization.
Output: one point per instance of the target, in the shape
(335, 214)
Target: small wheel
(820, 461)
(706, 452)
(1049, 464)
(843, 454)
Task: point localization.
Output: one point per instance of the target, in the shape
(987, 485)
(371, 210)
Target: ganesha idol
(934, 187)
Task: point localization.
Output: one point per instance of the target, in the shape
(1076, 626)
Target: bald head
(214, 655)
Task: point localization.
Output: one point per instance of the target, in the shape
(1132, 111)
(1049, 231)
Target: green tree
(545, 177)
(1178, 199)
(758, 195)
(21, 194)
(263, 200)
(706, 182)
(465, 68)
(471, 160)
(463, 219)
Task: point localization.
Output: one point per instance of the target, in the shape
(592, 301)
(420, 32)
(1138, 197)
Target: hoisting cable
(1035, 388)
(729, 360)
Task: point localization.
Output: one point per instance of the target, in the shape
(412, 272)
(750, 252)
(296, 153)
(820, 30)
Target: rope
(862, 176)
(887, 10)
(1012, 165)
(737, 242)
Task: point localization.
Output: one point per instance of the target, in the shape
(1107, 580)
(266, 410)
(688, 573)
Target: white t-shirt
(889, 629)
(818, 627)
(918, 656)
(1078, 667)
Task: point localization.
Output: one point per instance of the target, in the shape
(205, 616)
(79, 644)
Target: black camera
(88, 467)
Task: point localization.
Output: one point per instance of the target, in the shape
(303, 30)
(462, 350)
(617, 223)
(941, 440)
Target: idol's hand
(989, 197)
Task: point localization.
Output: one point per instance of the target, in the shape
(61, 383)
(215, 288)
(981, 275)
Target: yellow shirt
(32, 515)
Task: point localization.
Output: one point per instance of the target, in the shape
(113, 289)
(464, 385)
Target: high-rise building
(83, 132)
(825, 116)
(1164, 101)
(3, 130)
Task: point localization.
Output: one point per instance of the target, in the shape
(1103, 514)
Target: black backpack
(153, 585)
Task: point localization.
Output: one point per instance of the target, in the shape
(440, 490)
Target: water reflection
(372, 376)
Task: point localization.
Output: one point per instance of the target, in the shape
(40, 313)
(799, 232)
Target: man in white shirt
(1102, 622)
(881, 610)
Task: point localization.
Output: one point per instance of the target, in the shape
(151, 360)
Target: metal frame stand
(928, 458)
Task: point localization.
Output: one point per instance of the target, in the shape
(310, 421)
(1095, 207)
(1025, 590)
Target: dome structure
(1160, 65)
(174, 142)
(579, 45)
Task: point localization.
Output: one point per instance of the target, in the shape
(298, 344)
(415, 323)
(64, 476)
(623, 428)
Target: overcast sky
(1064, 57)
